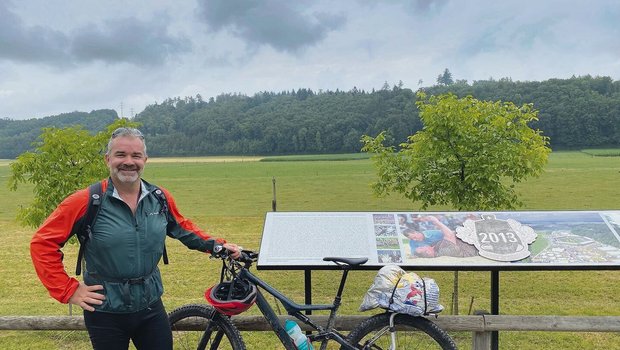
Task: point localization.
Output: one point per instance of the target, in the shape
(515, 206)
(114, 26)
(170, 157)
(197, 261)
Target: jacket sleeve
(46, 244)
(186, 231)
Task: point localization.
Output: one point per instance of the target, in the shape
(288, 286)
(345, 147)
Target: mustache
(128, 168)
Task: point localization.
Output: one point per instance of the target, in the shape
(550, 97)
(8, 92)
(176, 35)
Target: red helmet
(231, 297)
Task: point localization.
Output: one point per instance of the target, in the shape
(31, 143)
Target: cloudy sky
(59, 56)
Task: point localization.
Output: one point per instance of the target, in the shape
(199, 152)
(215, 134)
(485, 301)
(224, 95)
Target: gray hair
(120, 132)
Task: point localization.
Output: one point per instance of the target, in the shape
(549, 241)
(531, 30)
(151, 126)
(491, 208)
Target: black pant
(148, 329)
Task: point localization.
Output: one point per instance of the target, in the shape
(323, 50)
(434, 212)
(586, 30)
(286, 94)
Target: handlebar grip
(217, 249)
(246, 256)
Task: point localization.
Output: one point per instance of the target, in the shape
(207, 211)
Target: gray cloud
(505, 35)
(33, 44)
(59, 56)
(281, 24)
(126, 40)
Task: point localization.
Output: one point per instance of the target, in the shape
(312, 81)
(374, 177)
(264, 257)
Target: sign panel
(444, 240)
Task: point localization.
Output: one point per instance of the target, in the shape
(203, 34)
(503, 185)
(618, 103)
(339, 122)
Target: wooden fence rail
(480, 325)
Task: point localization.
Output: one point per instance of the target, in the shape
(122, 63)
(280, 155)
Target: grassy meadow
(229, 198)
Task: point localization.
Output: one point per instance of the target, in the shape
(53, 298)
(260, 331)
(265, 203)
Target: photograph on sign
(524, 237)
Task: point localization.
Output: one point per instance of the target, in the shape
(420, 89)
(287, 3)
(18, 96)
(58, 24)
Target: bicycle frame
(323, 333)
(371, 332)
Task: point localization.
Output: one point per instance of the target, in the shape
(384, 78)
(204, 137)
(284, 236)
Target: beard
(127, 177)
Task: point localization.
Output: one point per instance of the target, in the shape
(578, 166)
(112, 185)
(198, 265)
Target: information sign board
(517, 240)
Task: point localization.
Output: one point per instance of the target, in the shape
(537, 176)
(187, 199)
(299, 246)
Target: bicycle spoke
(217, 340)
(411, 333)
(204, 340)
(405, 339)
(372, 343)
(198, 327)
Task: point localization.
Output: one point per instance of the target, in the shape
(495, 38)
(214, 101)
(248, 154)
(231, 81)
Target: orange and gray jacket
(123, 251)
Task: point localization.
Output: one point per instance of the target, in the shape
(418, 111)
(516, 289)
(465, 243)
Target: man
(122, 288)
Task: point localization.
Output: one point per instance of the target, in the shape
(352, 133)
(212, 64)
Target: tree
(63, 160)
(469, 154)
(445, 79)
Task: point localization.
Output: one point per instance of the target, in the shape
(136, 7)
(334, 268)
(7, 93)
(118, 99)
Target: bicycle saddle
(348, 261)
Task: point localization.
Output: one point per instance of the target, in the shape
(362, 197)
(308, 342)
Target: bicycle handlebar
(246, 256)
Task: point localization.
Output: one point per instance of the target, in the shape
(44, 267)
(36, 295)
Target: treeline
(581, 112)
(17, 136)
(293, 122)
(576, 113)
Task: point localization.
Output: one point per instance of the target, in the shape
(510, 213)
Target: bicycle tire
(223, 335)
(411, 333)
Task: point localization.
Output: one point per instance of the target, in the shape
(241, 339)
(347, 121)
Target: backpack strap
(161, 197)
(95, 192)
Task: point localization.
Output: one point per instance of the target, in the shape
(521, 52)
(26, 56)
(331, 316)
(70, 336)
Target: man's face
(126, 159)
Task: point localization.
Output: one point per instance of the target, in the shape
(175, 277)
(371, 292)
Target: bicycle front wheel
(202, 327)
(411, 333)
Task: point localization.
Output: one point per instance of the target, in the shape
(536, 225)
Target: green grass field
(602, 152)
(315, 157)
(230, 199)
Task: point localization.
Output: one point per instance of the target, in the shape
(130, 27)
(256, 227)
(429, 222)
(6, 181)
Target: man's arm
(190, 234)
(48, 240)
(448, 233)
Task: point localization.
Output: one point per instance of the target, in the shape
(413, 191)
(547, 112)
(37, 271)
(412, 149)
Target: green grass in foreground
(231, 199)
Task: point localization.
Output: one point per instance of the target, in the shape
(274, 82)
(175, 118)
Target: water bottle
(299, 338)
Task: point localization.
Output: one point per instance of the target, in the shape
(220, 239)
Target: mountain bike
(387, 330)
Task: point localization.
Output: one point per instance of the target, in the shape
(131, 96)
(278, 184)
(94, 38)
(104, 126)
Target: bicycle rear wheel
(202, 327)
(411, 333)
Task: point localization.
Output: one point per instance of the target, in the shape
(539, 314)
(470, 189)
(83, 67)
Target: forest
(576, 113)
(17, 136)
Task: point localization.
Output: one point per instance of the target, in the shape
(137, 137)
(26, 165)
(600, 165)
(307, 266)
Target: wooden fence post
(481, 341)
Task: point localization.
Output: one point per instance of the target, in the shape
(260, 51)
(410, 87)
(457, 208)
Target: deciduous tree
(469, 154)
(62, 161)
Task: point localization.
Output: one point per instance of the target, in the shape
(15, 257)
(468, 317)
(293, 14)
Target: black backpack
(95, 194)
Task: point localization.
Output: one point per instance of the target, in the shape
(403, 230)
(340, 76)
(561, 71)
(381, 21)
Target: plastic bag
(397, 290)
